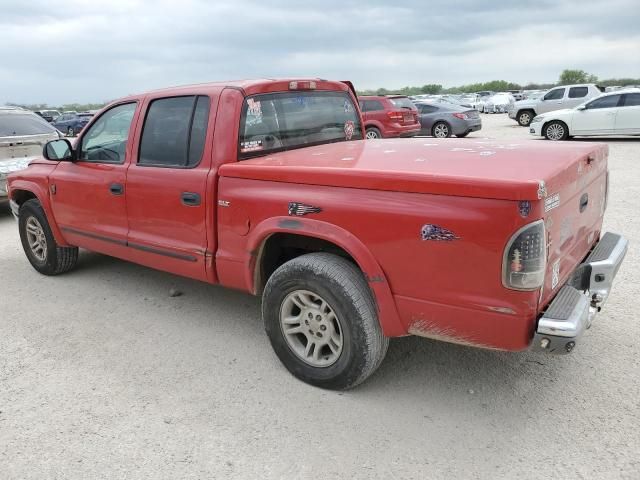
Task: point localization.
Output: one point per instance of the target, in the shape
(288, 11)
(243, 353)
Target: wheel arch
(23, 190)
(279, 232)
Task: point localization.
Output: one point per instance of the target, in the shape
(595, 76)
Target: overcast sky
(91, 51)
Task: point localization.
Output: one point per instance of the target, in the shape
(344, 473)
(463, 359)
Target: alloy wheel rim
(441, 131)
(311, 328)
(555, 131)
(371, 135)
(36, 239)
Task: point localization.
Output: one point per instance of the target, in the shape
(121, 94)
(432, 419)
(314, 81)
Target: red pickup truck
(268, 186)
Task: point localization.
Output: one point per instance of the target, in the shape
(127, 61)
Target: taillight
(395, 115)
(461, 116)
(525, 258)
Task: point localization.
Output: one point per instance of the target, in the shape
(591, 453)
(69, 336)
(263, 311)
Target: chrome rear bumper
(573, 309)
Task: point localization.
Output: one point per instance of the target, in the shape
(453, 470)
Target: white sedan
(613, 113)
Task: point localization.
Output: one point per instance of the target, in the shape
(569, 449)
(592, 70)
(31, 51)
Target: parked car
(390, 116)
(22, 136)
(498, 103)
(48, 115)
(442, 120)
(349, 242)
(71, 123)
(613, 113)
(558, 98)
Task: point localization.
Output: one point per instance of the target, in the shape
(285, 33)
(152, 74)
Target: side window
(556, 94)
(375, 105)
(106, 140)
(428, 109)
(578, 92)
(632, 100)
(174, 132)
(604, 102)
(363, 105)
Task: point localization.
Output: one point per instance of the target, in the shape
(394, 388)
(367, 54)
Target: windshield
(284, 121)
(29, 124)
(402, 102)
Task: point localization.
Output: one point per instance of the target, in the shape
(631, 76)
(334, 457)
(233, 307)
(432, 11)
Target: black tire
(556, 130)
(462, 135)
(441, 130)
(342, 285)
(70, 132)
(57, 259)
(524, 117)
(372, 133)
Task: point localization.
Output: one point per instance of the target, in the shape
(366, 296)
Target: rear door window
(174, 132)
(578, 92)
(632, 100)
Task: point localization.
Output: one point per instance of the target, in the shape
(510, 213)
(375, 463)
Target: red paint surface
(375, 197)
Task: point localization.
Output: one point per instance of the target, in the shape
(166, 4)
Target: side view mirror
(581, 107)
(60, 149)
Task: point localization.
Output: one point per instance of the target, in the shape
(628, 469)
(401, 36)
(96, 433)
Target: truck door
(575, 96)
(166, 184)
(88, 195)
(551, 101)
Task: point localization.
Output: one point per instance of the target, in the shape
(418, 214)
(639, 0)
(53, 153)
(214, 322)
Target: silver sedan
(443, 120)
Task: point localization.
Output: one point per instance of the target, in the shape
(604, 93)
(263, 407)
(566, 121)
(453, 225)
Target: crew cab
(558, 98)
(269, 186)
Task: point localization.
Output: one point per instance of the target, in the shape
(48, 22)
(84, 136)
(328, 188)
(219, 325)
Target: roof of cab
(249, 87)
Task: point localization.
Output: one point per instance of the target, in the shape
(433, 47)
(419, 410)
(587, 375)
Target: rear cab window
(274, 122)
(578, 92)
(28, 124)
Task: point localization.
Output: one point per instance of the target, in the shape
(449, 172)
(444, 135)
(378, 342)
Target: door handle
(190, 199)
(116, 189)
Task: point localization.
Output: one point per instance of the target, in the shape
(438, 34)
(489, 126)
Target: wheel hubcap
(311, 328)
(555, 132)
(371, 135)
(524, 118)
(441, 131)
(36, 238)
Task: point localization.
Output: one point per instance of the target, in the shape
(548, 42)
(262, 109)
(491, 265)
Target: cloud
(82, 51)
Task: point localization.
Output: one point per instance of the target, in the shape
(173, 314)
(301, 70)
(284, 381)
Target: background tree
(567, 77)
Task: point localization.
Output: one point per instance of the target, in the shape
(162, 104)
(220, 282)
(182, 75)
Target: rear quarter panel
(450, 289)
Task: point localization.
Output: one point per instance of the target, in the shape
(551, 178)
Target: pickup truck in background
(268, 186)
(558, 98)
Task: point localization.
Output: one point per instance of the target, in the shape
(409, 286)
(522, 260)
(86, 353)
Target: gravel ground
(104, 375)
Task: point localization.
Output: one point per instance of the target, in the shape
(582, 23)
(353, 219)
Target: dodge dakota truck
(268, 186)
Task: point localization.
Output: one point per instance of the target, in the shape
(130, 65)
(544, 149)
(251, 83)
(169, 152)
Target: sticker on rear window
(551, 202)
(254, 107)
(348, 108)
(251, 146)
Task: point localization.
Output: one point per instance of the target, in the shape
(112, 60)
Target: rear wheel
(373, 133)
(322, 321)
(441, 130)
(525, 117)
(556, 130)
(38, 243)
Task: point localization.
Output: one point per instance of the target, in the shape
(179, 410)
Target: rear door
(598, 117)
(575, 96)
(166, 184)
(628, 117)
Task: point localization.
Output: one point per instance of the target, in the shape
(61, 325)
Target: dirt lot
(104, 375)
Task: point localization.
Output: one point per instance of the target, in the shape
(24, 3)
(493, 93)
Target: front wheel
(441, 130)
(38, 243)
(321, 319)
(524, 118)
(556, 130)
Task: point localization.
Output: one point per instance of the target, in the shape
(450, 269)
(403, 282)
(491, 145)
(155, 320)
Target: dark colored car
(70, 123)
(392, 116)
(48, 115)
(445, 119)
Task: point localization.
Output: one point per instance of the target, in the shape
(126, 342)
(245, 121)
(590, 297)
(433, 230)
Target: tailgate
(573, 211)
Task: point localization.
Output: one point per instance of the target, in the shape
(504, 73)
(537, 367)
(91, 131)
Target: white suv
(613, 113)
(566, 96)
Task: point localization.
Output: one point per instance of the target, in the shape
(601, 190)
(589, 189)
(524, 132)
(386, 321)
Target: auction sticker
(251, 146)
(551, 202)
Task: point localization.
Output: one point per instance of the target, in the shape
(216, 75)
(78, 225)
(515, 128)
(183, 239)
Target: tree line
(567, 77)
